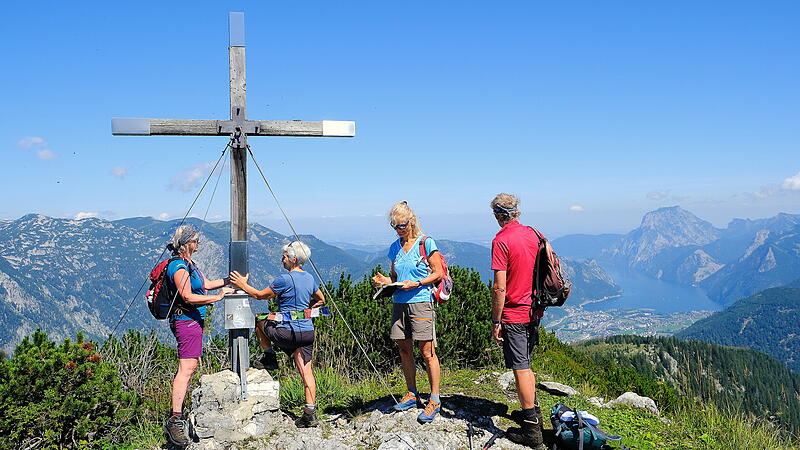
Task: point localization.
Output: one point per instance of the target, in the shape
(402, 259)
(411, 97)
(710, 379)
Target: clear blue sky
(592, 112)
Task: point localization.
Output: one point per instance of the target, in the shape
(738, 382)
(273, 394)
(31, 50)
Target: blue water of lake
(641, 291)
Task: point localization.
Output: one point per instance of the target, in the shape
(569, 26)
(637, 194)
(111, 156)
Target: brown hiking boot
(307, 420)
(176, 430)
(530, 433)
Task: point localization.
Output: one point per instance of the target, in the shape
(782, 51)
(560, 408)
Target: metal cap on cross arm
(237, 128)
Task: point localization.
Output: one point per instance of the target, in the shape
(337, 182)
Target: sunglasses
(400, 226)
(196, 241)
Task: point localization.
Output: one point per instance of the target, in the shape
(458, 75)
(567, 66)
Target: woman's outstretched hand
(226, 290)
(381, 280)
(408, 285)
(239, 279)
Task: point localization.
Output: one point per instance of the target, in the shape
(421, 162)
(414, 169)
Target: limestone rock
(220, 418)
(635, 400)
(506, 381)
(558, 389)
(596, 401)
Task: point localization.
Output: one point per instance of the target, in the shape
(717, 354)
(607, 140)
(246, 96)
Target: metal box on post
(239, 318)
(238, 313)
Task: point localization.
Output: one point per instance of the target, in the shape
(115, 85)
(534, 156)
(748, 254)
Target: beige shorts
(415, 321)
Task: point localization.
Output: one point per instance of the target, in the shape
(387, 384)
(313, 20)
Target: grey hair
(505, 207)
(297, 251)
(181, 236)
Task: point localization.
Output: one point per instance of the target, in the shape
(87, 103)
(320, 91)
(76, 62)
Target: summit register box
(238, 314)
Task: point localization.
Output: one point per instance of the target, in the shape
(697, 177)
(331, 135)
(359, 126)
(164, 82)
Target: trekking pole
(471, 431)
(491, 440)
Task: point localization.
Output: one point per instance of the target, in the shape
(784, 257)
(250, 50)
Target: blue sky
(592, 112)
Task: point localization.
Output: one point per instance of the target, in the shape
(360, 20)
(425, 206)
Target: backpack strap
(180, 306)
(538, 235)
(422, 251)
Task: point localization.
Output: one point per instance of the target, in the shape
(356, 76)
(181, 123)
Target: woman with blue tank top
(413, 317)
(187, 321)
(296, 290)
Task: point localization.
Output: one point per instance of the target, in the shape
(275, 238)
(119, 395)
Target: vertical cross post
(238, 338)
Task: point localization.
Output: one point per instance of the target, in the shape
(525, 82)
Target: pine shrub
(54, 396)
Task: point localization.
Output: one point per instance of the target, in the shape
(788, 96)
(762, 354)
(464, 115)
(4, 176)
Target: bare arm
(318, 299)
(498, 301)
(437, 271)
(215, 284)
(241, 281)
(183, 283)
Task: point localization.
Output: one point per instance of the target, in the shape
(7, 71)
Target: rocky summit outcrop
(221, 421)
(220, 418)
(377, 427)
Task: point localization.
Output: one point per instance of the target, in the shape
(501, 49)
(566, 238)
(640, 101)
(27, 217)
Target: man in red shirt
(515, 323)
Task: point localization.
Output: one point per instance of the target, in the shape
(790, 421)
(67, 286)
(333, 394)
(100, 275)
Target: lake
(641, 291)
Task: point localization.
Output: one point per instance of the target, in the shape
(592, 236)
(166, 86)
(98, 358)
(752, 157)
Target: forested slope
(768, 321)
(732, 378)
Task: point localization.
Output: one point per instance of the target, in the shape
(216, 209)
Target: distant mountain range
(65, 275)
(69, 275)
(768, 321)
(675, 245)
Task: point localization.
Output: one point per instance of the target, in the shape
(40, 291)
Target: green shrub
(61, 395)
(462, 327)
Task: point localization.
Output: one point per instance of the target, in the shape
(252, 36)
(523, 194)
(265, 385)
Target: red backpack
(550, 285)
(444, 287)
(162, 298)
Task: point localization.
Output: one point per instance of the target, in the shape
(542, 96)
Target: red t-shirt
(514, 250)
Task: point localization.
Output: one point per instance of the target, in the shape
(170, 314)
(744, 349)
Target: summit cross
(238, 316)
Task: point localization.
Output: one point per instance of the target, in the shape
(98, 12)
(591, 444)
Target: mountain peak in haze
(664, 228)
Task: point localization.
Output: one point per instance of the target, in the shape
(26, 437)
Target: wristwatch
(496, 322)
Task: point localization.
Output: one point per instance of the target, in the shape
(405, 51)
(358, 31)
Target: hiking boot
(517, 415)
(307, 420)
(431, 410)
(268, 361)
(530, 432)
(408, 401)
(176, 430)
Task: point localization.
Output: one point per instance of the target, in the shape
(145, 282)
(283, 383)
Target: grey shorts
(415, 321)
(518, 342)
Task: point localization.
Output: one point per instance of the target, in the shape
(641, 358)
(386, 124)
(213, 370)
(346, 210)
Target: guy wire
(110, 335)
(314, 266)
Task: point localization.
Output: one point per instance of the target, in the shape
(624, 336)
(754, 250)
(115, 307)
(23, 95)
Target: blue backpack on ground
(576, 433)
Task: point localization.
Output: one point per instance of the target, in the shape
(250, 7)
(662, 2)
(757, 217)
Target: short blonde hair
(297, 251)
(401, 213)
(505, 207)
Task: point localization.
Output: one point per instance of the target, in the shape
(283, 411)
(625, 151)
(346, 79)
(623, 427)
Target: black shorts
(518, 342)
(288, 340)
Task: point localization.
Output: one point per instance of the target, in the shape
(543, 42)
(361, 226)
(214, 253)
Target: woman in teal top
(187, 323)
(413, 317)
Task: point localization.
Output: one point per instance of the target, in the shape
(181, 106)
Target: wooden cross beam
(238, 128)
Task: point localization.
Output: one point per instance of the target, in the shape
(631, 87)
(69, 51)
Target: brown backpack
(550, 285)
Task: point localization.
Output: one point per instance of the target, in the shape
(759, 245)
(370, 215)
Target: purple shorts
(189, 334)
